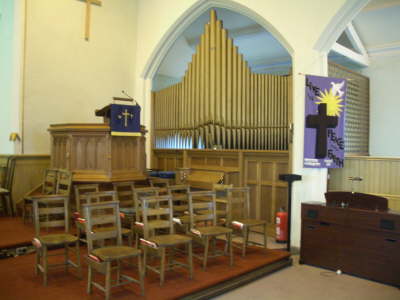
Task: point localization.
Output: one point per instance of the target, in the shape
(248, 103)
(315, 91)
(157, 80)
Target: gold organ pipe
(220, 101)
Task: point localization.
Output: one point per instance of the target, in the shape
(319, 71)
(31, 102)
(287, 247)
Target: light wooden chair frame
(248, 223)
(107, 196)
(80, 198)
(156, 207)
(138, 193)
(106, 267)
(53, 205)
(204, 211)
(56, 182)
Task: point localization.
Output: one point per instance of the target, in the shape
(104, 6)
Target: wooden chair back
(49, 185)
(64, 182)
(125, 193)
(102, 214)
(180, 199)
(159, 182)
(98, 197)
(202, 208)
(157, 207)
(143, 192)
(238, 203)
(50, 212)
(80, 193)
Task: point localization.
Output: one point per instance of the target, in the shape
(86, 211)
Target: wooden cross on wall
(87, 21)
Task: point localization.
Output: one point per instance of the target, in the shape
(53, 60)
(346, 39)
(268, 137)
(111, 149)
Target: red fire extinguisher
(281, 226)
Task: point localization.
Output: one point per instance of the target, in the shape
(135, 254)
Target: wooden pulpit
(94, 155)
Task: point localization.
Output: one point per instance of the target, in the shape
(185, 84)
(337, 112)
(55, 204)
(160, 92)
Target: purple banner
(324, 123)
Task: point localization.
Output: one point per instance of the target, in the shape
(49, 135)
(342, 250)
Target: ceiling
(376, 28)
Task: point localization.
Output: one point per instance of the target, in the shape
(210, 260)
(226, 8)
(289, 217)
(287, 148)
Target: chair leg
(162, 266)
(78, 258)
(118, 271)
(205, 257)
(108, 280)
(190, 259)
(45, 265)
(245, 240)
(141, 274)
(230, 249)
(66, 257)
(265, 236)
(144, 260)
(89, 285)
(37, 260)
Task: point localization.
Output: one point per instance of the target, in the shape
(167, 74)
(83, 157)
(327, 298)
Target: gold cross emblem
(125, 115)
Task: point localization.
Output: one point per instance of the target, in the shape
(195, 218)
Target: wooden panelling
(379, 174)
(25, 173)
(257, 169)
(94, 155)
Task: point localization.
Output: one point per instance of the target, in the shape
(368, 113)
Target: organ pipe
(221, 103)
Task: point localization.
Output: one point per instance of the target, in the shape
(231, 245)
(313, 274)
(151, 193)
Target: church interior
(199, 149)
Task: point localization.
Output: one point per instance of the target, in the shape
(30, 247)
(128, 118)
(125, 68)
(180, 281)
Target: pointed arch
(338, 24)
(190, 15)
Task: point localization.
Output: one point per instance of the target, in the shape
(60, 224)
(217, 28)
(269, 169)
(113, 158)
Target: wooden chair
(202, 211)
(80, 198)
(126, 202)
(56, 182)
(238, 216)
(52, 211)
(137, 194)
(162, 183)
(6, 205)
(154, 208)
(180, 201)
(221, 198)
(106, 259)
(107, 196)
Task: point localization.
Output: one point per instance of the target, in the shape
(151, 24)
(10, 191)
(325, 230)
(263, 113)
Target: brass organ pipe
(223, 86)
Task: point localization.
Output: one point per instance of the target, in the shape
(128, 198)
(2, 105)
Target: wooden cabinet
(365, 243)
(94, 155)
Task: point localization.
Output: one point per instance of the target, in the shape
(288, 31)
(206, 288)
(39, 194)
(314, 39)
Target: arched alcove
(190, 16)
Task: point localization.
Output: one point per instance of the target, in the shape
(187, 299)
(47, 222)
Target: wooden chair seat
(170, 240)
(57, 239)
(250, 222)
(157, 224)
(124, 231)
(111, 253)
(213, 230)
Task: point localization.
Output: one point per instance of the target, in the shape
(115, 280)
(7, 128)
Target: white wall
(67, 77)
(6, 70)
(384, 74)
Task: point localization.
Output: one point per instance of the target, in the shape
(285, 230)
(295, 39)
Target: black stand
(289, 178)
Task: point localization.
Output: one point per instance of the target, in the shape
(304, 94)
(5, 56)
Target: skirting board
(238, 281)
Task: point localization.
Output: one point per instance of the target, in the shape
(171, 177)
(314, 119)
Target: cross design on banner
(321, 123)
(126, 114)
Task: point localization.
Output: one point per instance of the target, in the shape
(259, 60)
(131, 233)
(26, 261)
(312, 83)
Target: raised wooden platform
(218, 278)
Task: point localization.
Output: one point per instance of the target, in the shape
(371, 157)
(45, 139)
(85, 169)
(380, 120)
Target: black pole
(289, 178)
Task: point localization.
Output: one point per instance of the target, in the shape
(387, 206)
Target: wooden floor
(14, 233)
(18, 281)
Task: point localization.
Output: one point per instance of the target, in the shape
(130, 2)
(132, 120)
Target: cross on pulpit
(321, 123)
(88, 10)
(125, 115)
